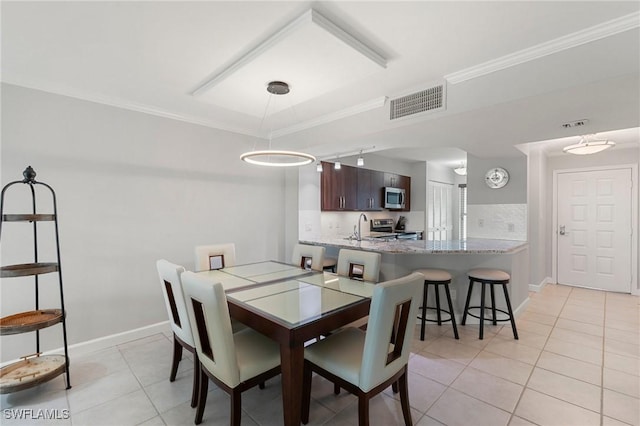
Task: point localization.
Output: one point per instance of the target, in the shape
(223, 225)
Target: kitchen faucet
(358, 233)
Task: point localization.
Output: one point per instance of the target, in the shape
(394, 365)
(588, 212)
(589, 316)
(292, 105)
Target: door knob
(562, 230)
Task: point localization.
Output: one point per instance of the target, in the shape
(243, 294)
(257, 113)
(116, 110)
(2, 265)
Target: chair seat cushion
(435, 274)
(255, 353)
(489, 274)
(329, 261)
(339, 354)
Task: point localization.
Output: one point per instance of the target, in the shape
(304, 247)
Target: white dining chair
(308, 256)
(171, 284)
(366, 363)
(235, 362)
(215, 256)
(363, 265)
(359, 264)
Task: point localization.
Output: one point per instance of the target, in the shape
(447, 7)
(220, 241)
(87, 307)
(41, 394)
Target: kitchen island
(401, 257)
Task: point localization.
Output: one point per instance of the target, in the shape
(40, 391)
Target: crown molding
(159, 112)
(347, 112)
(311, 16)
(596, 32)
(129, 105)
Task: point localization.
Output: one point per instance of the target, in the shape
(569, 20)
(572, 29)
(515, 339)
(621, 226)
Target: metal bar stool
(490, 277)
(436, 278)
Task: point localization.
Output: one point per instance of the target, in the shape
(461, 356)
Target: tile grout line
(426, 413)
(535, 365)
(604, 332)
(140, 383)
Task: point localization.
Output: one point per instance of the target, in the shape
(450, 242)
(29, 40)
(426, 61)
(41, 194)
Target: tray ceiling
(311, 53)
(514, 71)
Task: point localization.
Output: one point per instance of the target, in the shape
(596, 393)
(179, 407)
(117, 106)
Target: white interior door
(440, 215)
(594, 229)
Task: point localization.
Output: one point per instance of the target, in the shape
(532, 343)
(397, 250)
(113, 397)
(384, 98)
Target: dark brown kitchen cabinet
(339, 188)
(370, 183)
(354, 188)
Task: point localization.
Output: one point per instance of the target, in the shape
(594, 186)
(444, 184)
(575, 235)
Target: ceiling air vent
(425, 100)
(576, 123)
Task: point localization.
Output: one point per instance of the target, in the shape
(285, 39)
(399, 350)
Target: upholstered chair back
(359, 264)
(215, 256)
(209, 315)
(308, 257)
(171, 284)
(394, 307)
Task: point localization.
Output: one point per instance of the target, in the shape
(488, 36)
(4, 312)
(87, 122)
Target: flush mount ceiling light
(588, 144)
(462, 170)
(277, 158)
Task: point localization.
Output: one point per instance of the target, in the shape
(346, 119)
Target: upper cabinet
(353, 188)
(338, 188)
(370, 183)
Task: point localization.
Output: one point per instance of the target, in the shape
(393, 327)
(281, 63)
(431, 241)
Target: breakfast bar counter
(401, 257)
(393, 246)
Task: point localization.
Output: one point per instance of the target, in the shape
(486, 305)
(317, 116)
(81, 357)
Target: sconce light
(319, 167)
(360, 161)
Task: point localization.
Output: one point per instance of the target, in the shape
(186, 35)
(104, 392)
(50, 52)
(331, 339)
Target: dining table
(292, 306)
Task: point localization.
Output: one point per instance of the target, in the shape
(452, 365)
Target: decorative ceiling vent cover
(426, 100)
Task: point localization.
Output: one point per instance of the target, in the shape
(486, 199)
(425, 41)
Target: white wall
(515, 192)
(132, 188)
(538, 217)
(497, 213)
(417, 217)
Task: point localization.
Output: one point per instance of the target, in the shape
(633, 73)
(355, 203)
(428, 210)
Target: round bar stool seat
(491, 278)
(329, 263)
(436, 278)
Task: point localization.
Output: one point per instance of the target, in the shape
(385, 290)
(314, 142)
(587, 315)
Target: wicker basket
(29, 321)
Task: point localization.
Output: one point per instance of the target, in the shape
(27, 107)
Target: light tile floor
(577, 363)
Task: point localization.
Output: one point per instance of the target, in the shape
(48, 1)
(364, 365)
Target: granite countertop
(469, 246)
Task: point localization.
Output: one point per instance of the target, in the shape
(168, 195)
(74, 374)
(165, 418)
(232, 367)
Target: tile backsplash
(497, 221)
(340, 224)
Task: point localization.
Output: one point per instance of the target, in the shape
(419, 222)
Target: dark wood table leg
(292, 364)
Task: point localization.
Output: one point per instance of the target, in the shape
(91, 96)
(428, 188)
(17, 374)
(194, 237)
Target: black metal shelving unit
(36, 368)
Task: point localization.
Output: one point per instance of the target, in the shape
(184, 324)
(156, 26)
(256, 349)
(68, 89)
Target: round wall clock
(496, 177)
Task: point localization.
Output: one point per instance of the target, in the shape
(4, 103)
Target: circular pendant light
(277, 158)
(274, 158)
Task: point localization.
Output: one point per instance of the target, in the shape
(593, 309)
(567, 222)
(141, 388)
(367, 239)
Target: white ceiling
(514, 71)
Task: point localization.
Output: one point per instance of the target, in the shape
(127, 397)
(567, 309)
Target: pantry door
(440, 211)
(594, 229)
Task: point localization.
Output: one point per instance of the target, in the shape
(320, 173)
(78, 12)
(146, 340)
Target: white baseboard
(83, 348)
(105, 342)
(520, 309)
(537, 288)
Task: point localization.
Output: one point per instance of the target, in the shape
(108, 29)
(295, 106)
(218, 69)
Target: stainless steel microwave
(394, 198)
